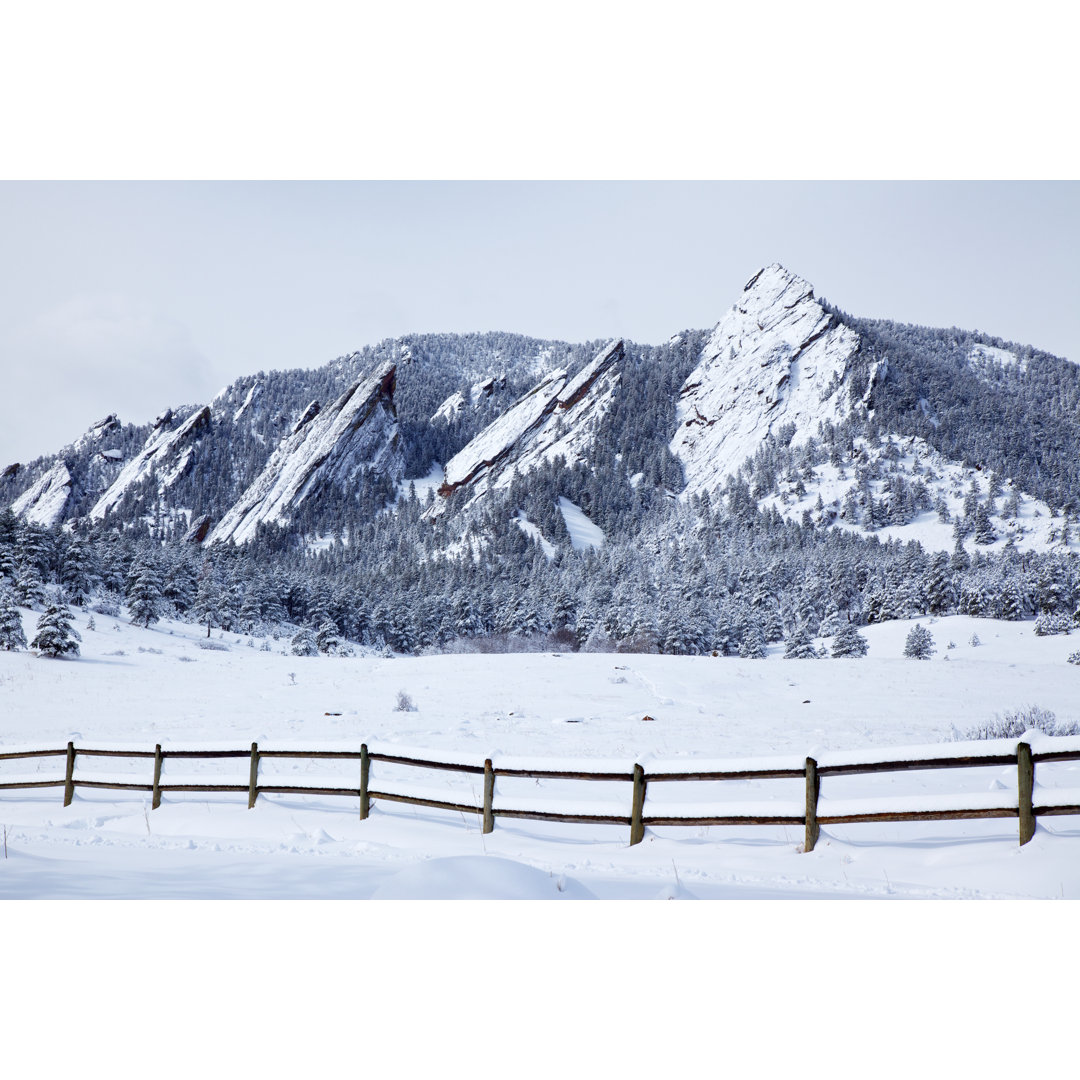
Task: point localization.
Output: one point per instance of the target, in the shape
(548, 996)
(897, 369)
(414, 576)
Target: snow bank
(479, 878)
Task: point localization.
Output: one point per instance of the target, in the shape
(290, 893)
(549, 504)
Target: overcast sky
(130, 297)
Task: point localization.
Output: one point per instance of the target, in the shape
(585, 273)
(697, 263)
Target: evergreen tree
(959, 560)
(12, 637)
(208, 602)
(29, 586)
(303, 643)
(563, 610)
(752, 643)
(849, 642)
(145, 595)
(1012, 601)
(919, 644)
(180, 584)
(55, 635)
(76, 571)
(939, 593)
(773, 626)
(327, 639)
(984, 531)
(799, 646)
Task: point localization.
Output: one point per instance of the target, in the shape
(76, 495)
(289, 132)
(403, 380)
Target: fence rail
(1025, 760)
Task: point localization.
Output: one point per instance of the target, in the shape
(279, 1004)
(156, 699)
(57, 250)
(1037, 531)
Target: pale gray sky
(129, 297)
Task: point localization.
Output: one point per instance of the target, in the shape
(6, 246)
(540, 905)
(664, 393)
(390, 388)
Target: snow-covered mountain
(44, 501)
(326, 451)
(776, 358)
(795, 468)
(615, 431)
(166, 456)
(559, 417)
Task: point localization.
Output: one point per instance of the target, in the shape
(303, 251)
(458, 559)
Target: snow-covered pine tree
(76, 572)
(327, 639)
(919, 644)
(939, 593)
(12, 637)
(1012, 601)
(55, 635)
(145, 595)
(29, 586)
(208, 601)
(984, 531)
(849, 642)
(563, 610)
(799, 646)
(752, 643)
(773, 625)
(303, 643)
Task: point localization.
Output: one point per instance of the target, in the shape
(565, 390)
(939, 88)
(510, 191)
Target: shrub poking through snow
(404, 703)
(1015, 722)
(974, 641)
(1074, 658)
(919, 644)
(55, 635)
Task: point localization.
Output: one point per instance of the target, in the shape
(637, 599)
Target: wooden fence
(637, 819)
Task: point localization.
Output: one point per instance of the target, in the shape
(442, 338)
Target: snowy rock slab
(776, 357)
(43, 502)
(558, 417)
(327, 449)
(168, 451)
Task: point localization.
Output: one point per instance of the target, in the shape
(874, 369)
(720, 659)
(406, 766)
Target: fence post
(489, 796)
(637, 827)
(813, 789)
(69, 775)
(253, 781)
(1025, 781)
(365, 766)
(156, 802)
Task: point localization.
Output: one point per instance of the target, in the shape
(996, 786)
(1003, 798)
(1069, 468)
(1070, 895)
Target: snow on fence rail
(933, 808)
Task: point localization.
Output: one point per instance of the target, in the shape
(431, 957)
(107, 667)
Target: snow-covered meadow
(133, 687)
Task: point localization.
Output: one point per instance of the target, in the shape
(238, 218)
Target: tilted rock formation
(167, 453)
(776, 357)
(44, 501)
(327, 449)
(559, 416)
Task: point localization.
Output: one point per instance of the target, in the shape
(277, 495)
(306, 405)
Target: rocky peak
(167, 453)
(777, 357)
(327, 449)
(44, 501)
(558, 416)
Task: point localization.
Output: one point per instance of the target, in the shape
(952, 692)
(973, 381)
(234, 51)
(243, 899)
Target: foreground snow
(136, 687)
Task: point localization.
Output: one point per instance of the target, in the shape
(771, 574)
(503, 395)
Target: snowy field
(132, 688)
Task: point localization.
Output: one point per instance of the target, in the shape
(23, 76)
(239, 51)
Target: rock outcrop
(777, 357)
(327, 449)
(558, 416)
(167, 454)
(44, 501)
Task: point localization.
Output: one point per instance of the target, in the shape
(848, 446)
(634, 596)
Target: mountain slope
(44, 501)
(326, 451)
(166, 456)
(559, 417)
(776, 358)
